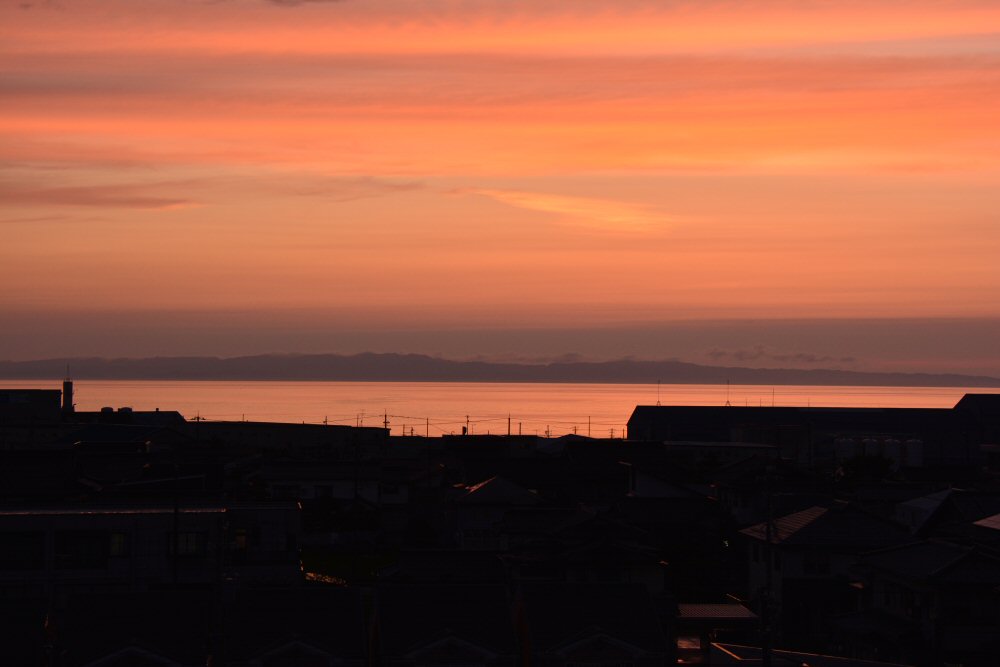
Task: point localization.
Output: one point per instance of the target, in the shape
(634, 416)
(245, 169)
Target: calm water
(436, 408)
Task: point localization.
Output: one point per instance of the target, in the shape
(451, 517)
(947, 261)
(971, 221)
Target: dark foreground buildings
(711, 535)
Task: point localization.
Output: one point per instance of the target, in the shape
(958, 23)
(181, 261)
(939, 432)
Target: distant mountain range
(421, 368)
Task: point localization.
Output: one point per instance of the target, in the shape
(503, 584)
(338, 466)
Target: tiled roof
(499, 491)
(719, 611)
(940, 561)
(558, 614)
(408, 616)
(782, 529)
(992, 522)
(840, 525)
(727, 654)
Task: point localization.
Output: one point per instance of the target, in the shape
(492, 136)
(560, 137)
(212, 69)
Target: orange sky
(546, 163)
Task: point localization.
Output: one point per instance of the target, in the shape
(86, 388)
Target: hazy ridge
(422, 368)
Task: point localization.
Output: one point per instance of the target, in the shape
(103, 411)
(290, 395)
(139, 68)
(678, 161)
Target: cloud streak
(601, 214)
(97, 196)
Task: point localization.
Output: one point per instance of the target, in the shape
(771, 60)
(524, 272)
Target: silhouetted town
(712, 535)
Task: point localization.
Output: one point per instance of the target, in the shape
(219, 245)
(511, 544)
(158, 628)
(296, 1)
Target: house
(51, 551)
(810, 555)
(928, 603)
(443, 624)
(564, 624)
(701, 624)
(479, 512)
(319, 626)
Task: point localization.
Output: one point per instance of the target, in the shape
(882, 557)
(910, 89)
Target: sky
(803, 183)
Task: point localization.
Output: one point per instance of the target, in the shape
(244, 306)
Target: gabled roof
(985, 404)
(991, 522)
(498, 491)
(939, 561)
(414, 616)
(558, 614)
(168, 624)
(840, 525)
(917, 512)
(726, 654)
(264, 621)
(724, 612)
(105, 434)
(445, 566)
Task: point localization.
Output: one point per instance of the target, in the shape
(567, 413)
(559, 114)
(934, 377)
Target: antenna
(657, 393)
(728, 404)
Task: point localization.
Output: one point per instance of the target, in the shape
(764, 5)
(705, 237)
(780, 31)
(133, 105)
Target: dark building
(819, 437)
(21, 406)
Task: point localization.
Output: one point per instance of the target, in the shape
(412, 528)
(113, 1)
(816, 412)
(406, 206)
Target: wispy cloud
(603, 214)
(351, 188)
(296, 3)
(99, 196)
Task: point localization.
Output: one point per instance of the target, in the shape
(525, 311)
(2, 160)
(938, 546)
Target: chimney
(67, 397)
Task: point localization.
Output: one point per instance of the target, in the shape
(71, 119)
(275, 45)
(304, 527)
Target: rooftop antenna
(728, 404)
(657, 393)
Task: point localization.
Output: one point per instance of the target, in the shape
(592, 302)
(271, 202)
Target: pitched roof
(446, 566)
(991, 522)
(326, 617)
(498, 491)
(559, 613)
(724, 611)
(171, 624)
(411, 616)
(725, 654)
(840, 525)
(938, 561)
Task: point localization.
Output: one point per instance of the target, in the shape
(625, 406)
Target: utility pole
(766, 611)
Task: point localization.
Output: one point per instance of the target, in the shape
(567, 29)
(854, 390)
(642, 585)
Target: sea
(439, 408)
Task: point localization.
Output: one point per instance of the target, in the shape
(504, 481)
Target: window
(816, 562)
(22, 550)
(240, 539)
(82, 549)
(119, 545)
(188, 543)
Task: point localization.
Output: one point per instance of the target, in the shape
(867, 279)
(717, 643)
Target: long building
(818, 437)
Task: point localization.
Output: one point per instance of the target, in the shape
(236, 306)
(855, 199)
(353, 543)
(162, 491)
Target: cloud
(343, 189)
(100, 196)
(297, 3)
(604, 214)
(762, 353)
(38, 219)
